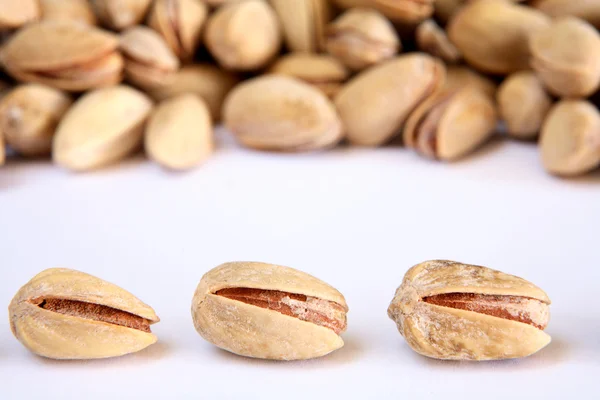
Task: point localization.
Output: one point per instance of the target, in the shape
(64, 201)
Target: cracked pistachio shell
(455, 334)
(566, 57)
(432, 39)
(121, 14)
(523, 104)
(243, 36)
(570, 138)
(303, 23)
(361, 37)
(16, 13)
(279, 113)
(375, 104)
(179, 134)
(60, 336)
(253, 331)
(401, 11)
(29, 115)
(588, 10)
(492, 35)
(102, 127)
(70, 10)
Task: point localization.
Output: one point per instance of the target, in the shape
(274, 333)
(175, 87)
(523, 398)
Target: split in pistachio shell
(365, 102)
(566, 57)
(16, 13)
(29, 115)
(432, 39)
(102, 127)
(303, 23)
(268, 311)
(570, 138)
(362, 37)
(70, 10)
(401, 11)
(454, 311)
(121, 14)
(588, 10)
(243, 36)
(66, 314)
(523, 104)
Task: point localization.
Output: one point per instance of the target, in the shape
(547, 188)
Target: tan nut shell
(29, 115)
(432, 39)
(588, 10)
(257, 332)
(61, 336)
(374, 105)
(275, 112)
(453, 334)
(402, 11)
(303, 23)
(103, 126)
(121, 14)
(179, 134)
(71, 10)
(16, 13)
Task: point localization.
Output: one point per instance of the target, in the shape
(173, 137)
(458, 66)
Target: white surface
(355, 218)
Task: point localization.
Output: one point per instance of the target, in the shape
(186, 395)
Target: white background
(356, 218)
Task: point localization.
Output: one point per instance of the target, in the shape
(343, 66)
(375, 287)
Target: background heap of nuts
(90, 82)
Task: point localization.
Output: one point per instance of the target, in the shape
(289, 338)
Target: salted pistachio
(102, 127)
(179, 134)
(268, 311)
(206, 80)
(322, 71)
(361, 37)
(453, 311)
(492, 35)
(523, 104)
(303, 23)
(16, 13)
(402, 11)
(63, 54)
(180, 22)
(374, 105)
(570, 138)
(243, 36)
(280, 113)
(461, 75)
(149, 61)
(66, 314)
(588, 10)
(29, 115)
(566, 57)
(71, 10)
(432, 39)
(121, 14)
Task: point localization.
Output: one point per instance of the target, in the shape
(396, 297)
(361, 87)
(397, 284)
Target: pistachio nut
(374, 105)
(103, 126)
(432, 39)
(179, 134)
(303, 23)
(402, 11)
(445, 9)
(493, 35)
(458, 76)
(29, 115)
(454, 311)
(566, 56)
(361, 37)
(570, 138)
(148, 60)
(588, 10)
(523, 104)
(63, 54)
(268, 311)
(180, 23)
(280, 113)
(71, 10)
(243, 36)
(121, 14)
(205, 80)
(16, 13)
(66, 314)
(2, 150)
(324, 72)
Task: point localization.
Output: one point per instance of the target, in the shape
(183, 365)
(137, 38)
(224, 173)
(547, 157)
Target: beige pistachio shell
(364, 102)
(566, 56)
(588, 10)
(401, 11)
(445, 9)
(455, 334)
(2, 150)
(179, 134)
(16, 13)
(570, 138)
(492, 35)
(61, 336)
(121, 14)
(523, 104)
(243, 36)
(458, 76)
(275, 112)
(432, 39)
(29, 115)
(303, 23)
(70, 10)
(362, 37)
(102, 127)
(257, 332)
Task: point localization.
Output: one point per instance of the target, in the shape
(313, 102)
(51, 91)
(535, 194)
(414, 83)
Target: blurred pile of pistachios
(90, 82)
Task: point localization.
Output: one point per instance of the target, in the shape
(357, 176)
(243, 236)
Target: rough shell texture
(257, 332)
(61, 336)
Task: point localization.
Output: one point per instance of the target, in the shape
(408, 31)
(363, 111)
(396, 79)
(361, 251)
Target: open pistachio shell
(303, 23)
